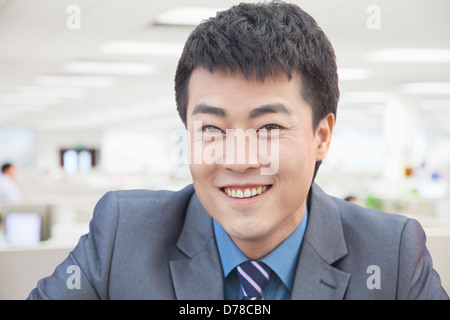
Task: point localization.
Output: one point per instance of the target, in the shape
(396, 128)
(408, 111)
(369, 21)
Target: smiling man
(264, 74)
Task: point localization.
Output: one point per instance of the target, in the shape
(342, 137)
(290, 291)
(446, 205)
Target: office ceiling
(383, 51)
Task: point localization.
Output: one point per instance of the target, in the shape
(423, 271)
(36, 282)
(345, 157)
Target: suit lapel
(323, 245)
(315, 279)
(199, 274)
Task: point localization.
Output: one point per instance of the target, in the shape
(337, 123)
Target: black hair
(259, 40)
(6, 166)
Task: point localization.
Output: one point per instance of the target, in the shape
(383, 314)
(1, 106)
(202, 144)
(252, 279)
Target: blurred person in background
(353, 199)
(9, 190)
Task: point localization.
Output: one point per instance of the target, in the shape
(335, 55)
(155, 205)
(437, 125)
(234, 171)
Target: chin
(246, 230)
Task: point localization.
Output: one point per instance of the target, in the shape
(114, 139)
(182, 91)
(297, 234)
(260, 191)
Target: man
(249, 229)
(9, 190)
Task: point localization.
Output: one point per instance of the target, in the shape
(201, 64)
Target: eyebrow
(257, 112)
(269, 108)
(202, 108)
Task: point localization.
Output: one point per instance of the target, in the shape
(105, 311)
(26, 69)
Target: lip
(246, 201)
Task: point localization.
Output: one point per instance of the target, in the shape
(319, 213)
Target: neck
(256, 249)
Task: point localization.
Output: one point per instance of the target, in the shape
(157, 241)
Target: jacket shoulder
(131, 233)
(149, 203)
(396, 246)
(127, 217)
(370, 220)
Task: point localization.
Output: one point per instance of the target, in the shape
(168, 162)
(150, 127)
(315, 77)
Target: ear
(323, 136)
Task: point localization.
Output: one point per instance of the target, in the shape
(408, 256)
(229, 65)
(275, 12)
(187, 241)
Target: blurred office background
(87, 106)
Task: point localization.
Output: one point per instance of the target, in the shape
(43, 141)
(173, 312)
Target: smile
(245, 192)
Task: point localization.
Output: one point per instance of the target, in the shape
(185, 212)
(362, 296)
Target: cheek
(203, 178)
(297, 152)
(201, 173)
(202, 184)
(296, 163)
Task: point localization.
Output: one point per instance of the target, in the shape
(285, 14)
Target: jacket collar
(200, 275)
(323, 245)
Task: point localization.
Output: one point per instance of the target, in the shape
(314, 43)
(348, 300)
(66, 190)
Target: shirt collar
(282, 260)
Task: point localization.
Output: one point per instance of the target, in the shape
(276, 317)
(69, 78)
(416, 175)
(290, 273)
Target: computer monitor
(25, 224)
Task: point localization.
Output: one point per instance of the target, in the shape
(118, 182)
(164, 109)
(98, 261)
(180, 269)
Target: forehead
(222, 87)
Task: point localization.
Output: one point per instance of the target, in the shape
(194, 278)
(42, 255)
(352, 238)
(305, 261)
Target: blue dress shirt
(282, 260)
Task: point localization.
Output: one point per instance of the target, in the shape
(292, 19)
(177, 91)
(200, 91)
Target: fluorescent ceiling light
(75, 81)
(142, 48)
(410, 55)
(435, 105)
(186, 16)
(15, 99)
(426, 88)
(20, 108)
(51, 92)
(352, 74)
(365, 97)
(99, 67)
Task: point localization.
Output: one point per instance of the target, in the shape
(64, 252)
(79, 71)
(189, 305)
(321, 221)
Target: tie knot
(253, 276)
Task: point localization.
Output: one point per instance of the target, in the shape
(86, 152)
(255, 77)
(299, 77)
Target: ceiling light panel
(186, 16)
(116, 68)
(365, 97)
(142, 48)
(51, 92)
(15, 99)
(75, 81)
(426, 88)
(435, 105)
(410, 55)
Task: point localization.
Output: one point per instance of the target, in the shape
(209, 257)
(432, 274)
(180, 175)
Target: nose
(241, 151)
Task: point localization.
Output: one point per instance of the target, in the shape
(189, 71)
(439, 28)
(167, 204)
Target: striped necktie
(253, 276)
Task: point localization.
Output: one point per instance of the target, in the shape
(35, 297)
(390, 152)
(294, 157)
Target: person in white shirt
(9, 190)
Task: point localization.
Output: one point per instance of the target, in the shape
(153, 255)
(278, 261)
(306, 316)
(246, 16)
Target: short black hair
(6, 166)
(259, 40)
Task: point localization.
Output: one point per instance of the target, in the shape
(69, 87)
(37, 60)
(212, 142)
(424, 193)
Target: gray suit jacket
(160, 245)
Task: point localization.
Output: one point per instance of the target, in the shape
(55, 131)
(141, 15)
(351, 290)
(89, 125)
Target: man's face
(257, 210)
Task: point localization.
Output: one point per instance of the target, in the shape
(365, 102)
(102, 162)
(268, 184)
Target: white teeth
(247, 193)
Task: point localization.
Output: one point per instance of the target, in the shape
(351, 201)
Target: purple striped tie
(253, 276)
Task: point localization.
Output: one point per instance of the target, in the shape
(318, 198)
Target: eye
(270, 127)
(211, 129)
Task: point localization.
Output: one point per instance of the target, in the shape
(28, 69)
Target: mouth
(245, 192)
